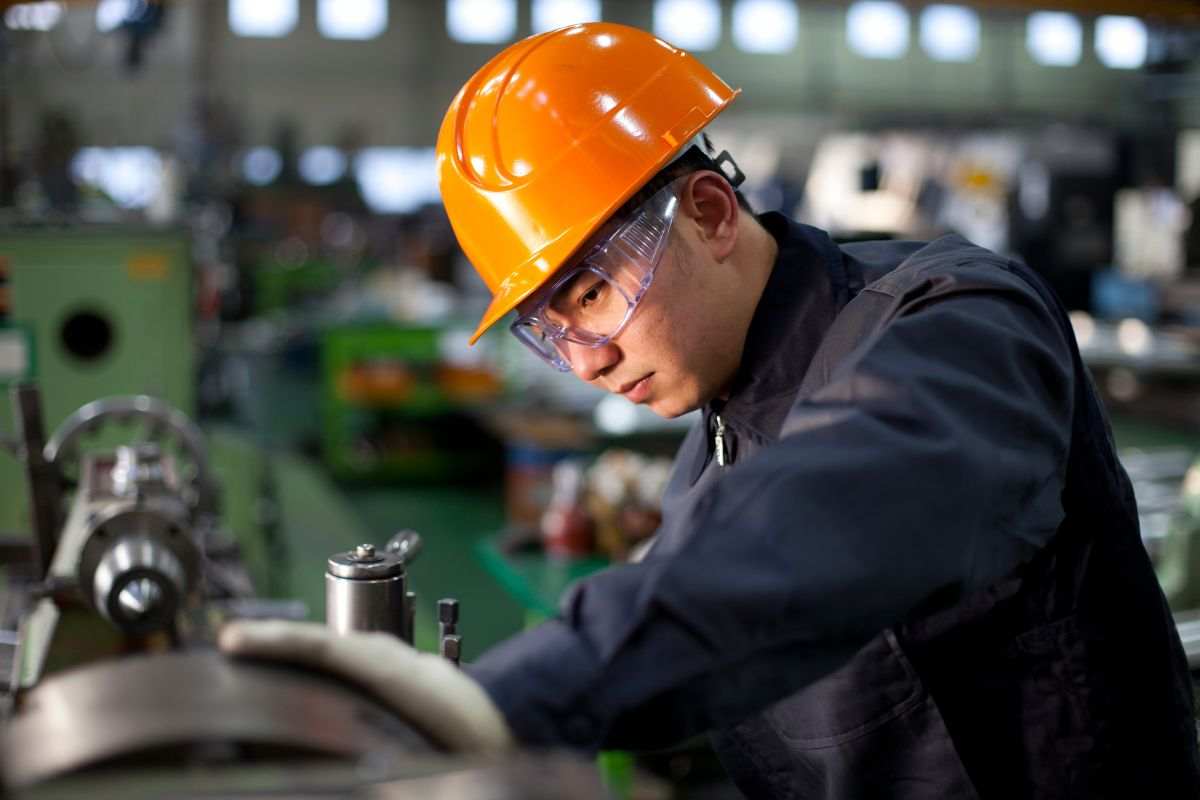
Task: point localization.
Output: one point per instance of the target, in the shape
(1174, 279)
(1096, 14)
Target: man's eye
(593, 294)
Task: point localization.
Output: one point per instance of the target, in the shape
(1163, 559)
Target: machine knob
(405, 545)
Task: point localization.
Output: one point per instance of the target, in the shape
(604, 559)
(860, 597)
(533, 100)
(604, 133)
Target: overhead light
(263, 18)
(1121, 42)
(549, 15)
(877, 29)
(765, 26)
(261, 165)
(33, 16)
(688, 24)
(111, 13)
(1134, 337)
(130, 176)
(396, 180)
(481, 21)
(322, 165)
(950, 33)
(352, 19)
(1054, 38)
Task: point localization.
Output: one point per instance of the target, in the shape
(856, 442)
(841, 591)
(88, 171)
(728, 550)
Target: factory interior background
(231, 206)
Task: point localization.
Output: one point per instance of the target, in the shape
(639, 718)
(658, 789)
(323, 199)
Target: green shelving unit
(394, 408)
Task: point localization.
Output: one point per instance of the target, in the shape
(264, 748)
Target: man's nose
(590, 363)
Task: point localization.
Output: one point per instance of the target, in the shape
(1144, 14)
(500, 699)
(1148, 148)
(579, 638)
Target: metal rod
(44, 485)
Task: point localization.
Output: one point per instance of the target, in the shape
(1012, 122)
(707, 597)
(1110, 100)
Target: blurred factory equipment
(1150, 228)
(109, 310)
(93, 312)
(396, 403)
(139, 544)
(566, 528)
(113, 606)
(367, 591)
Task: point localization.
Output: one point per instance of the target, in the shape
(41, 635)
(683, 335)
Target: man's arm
(932, 460)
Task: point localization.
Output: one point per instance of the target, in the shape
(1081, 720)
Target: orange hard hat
(549, 138)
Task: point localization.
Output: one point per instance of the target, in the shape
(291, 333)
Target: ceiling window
(689, 24)
(263, 18)
(765, 26)
(551, 14)
(352, 19)
(111, 13)
(33, 16)
(877, 29)
(950, 33)
(1054, 38)
(396, 180)
(1121, 42)
(131, 176)
(261, 165)
(322, 165)
(481, 21)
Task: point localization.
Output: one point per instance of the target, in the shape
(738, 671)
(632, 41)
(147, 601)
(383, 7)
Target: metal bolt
(448, 612)
(364, 552)
(451, 648)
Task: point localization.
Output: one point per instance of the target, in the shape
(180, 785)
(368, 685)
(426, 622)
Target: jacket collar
(808, 286)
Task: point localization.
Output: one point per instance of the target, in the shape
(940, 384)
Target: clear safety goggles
(594, 300)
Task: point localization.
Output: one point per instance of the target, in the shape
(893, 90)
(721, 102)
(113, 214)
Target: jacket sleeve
(916, 469)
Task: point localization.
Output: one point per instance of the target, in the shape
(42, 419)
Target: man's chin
(670, 410)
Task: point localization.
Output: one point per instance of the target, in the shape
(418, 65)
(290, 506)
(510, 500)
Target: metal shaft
(410, 616)
(44, 486)
(365, 605)
(449, 642)
(451, 649)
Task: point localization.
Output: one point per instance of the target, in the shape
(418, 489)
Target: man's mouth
(636, 391)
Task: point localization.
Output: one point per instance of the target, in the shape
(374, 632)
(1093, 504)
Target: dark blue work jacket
(917, 572)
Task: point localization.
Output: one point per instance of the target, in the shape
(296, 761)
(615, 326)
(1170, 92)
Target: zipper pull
(719, 441)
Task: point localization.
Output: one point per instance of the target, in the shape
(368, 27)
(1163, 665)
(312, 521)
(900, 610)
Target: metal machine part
(410, 616)
(365, 591)
(405, 545)
(179, 706)
(165, 422)
(126, 544)
(449, 641)
(44, 487)
(138, 584)
(451, 648)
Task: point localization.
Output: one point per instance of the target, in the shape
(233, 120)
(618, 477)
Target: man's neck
(757, 250)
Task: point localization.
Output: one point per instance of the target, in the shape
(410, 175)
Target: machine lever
(405, 545)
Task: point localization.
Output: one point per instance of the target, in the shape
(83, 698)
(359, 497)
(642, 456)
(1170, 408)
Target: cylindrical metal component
(44, 484)
(410, 617)
(365, 591)
(447, 617)
(139, 583)
(451, 648)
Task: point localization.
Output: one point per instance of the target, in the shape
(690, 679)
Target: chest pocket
(867, 730)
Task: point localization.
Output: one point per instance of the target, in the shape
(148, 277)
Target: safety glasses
(593, 301)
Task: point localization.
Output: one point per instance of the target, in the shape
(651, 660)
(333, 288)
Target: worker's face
(684, 342)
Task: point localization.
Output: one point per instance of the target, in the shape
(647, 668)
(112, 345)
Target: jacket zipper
(719, 441)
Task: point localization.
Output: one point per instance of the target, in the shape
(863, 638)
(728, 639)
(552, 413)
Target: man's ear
(709, 202)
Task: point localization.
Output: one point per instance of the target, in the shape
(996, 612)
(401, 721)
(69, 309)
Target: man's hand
(425, 689)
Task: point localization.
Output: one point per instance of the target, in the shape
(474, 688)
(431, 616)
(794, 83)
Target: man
(898, 557)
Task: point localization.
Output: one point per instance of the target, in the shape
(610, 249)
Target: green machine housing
(105, 311)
